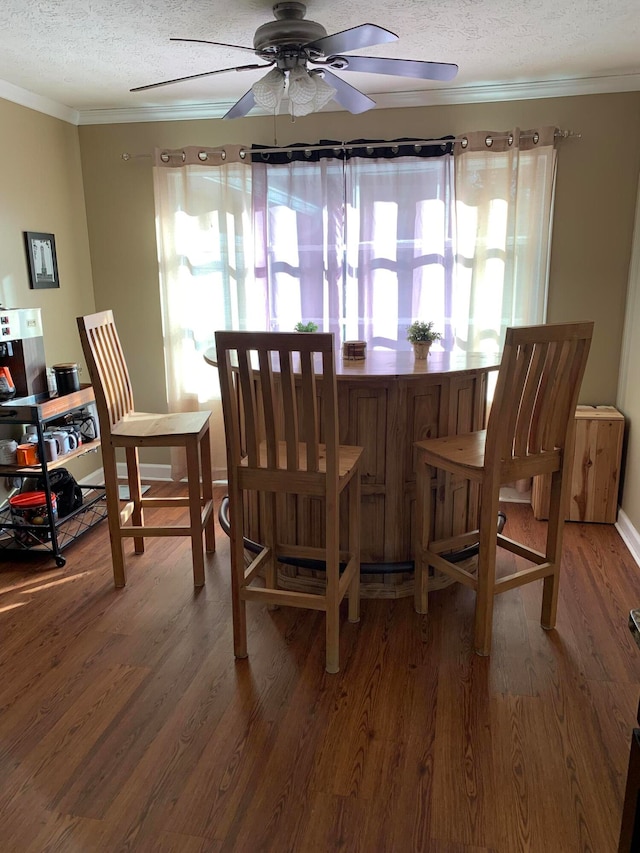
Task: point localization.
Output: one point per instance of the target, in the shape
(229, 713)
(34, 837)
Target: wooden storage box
(595, 476)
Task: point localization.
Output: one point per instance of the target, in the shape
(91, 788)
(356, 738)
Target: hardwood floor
(126, 724)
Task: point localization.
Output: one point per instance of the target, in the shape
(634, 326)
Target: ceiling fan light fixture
(308, 92)
(269, 90)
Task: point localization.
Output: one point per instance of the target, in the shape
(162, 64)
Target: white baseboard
(95, 478)
(629, 534)
(148, 473)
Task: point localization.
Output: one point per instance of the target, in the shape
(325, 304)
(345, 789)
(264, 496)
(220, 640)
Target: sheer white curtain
(359, 243)
(203, 226)
(299, 228)
(504, 188)
(399, 260)
(364, 245)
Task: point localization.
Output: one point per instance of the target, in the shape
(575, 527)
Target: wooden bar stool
(529, 432)
(282, 439)
(123, 427)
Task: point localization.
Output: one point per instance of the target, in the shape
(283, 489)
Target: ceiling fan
(301, 54)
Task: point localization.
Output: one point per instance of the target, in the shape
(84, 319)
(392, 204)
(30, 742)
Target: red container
(29, 513)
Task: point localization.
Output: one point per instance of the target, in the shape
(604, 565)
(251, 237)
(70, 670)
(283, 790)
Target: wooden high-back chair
(278, 444)
(122, 427)
(529, 432)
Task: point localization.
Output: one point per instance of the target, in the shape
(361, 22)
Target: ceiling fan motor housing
(289, 30)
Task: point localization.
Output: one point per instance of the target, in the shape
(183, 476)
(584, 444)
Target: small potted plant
(305, 327)
(422, 335)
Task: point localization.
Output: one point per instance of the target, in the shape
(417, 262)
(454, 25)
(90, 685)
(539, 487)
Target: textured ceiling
(86, 55)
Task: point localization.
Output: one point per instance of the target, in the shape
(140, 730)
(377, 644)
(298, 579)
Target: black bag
(67, 491)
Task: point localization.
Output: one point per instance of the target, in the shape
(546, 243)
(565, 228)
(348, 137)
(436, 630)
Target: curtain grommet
(203, 156)
(488, 141)
(165, 157)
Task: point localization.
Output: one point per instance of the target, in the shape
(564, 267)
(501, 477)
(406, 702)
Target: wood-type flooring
(127, 725)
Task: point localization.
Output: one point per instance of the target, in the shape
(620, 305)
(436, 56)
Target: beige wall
(41, 190)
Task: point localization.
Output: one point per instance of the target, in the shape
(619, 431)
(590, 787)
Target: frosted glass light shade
(308, 93)
(268, 91)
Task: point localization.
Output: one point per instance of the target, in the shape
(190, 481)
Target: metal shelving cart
(55, 534)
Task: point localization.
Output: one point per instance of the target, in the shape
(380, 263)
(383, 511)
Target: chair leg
(113, 514)
(236, 545)
(489, 503)
(332, 602)
(354, 546)
(423, 534)
(270, 537)
(135, 495)
(555, 530)
(270, 516)
(195, 511)
(207, 490)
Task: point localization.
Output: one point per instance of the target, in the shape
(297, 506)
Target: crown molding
(513, 91)
(432, 97)
(389, 100)
(38, 103)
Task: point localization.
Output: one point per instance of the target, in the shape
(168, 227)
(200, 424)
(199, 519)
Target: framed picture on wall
(41, 259)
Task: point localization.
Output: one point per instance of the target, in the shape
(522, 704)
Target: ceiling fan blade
(195, 76)
(246, 103)
(217, 43)
(348, 96)
(397, 67)
(365, 35)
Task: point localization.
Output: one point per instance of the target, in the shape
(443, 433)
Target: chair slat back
(537, 389)
(107, 368)
(269, 386)
(292, 435)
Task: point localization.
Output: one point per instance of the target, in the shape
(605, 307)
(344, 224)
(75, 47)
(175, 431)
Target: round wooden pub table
(385, 403)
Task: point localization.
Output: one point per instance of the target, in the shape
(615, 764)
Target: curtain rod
(347, 146)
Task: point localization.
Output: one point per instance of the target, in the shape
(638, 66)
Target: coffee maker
(22, 349)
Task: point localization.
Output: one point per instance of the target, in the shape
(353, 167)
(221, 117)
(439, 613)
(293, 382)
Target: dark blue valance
(368, 148)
